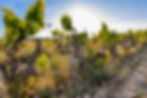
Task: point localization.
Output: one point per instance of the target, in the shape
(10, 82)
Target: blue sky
(124, 10)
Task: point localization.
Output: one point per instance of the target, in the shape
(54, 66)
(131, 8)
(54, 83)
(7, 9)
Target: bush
(46, 93)
(42, 63)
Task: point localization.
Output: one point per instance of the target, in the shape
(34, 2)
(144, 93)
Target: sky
(87, 15)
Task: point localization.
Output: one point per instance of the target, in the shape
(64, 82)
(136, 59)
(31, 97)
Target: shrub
(42, 63)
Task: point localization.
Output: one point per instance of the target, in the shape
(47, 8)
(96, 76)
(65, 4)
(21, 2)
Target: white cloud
(44, 33)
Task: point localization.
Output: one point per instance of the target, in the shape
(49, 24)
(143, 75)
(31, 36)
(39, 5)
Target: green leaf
(66, 22)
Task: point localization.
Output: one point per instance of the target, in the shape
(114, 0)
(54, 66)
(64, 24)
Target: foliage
(98, 72)
(42, 63)
(35, 17)
(17, 29)
(66, 22)
(46, 93)
(82, 37)
(57, 33)
(107, 37)
(1, 42)
(35, 14)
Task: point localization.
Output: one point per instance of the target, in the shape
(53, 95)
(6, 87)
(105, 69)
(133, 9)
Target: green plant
(42, 63)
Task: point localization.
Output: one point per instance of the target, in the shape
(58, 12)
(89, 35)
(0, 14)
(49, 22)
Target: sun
(85, 19)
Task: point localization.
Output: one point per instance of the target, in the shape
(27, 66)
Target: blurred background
(73, 49)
